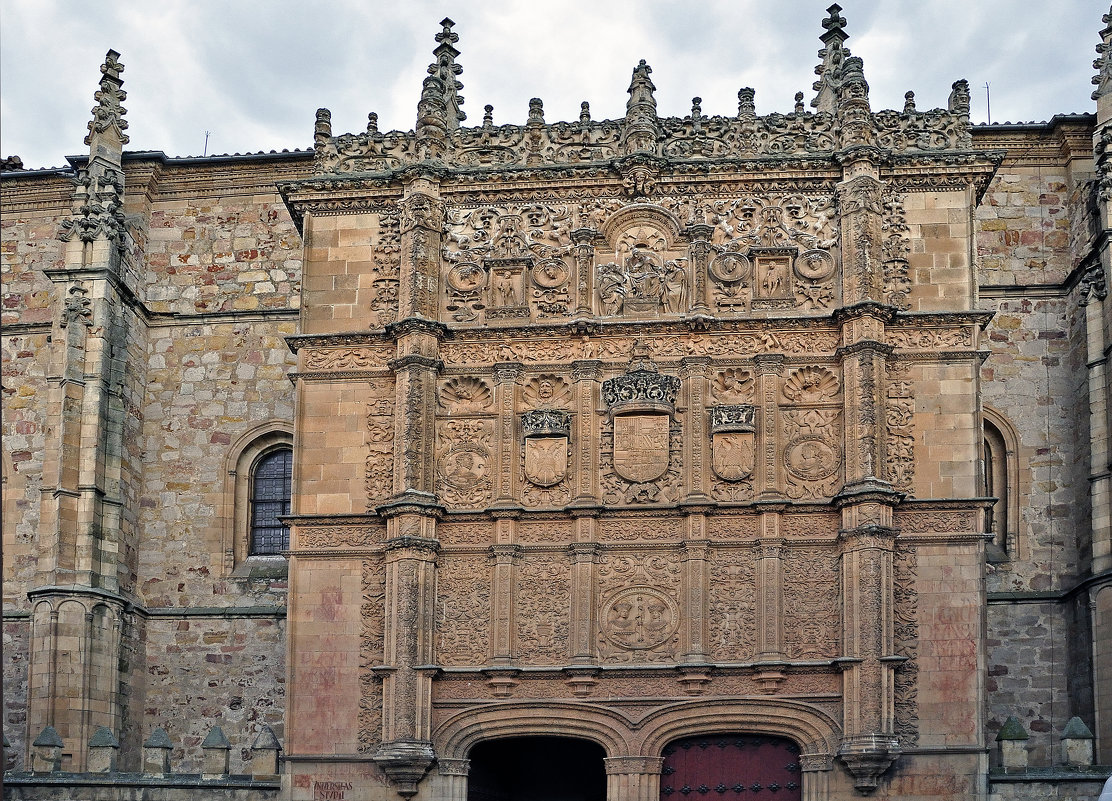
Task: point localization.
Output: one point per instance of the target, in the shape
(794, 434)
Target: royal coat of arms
(733, 441)
(641, 446)
(546, 460)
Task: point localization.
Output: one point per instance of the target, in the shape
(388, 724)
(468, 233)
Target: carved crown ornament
(642, 389)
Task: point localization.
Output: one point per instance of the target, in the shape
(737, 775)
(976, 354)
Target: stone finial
(103, 750)
(1077, 743)
(106, 129)
(909, 102)
(372, 124)
(322, 130)
(446, 68)
(216, 749)
(536, 111)
(488, 117)
(46, 751)
(1012, 741)
(833, 54)
(264, 753)
(959, 98)
(798, 103)
(746, 103)
(642, 128)
(156, 752)
(584, 112)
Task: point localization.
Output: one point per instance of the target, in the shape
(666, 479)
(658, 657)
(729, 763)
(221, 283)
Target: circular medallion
(639, 618)
(467, 277)
(550, 273)
(464, 467)
(811, 458)
(731, 267)
(814, 265)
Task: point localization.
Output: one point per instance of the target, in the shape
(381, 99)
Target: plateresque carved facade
(662, 436)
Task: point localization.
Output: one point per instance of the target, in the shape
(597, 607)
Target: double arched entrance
(734, 767)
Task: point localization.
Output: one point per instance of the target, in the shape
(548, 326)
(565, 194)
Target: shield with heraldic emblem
(732, 454)
(641, 446)
(546, 460)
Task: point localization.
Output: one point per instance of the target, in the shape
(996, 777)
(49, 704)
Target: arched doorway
(536, 769)
(746, 767)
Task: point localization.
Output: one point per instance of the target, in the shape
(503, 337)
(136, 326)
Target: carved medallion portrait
(811, 458)
(639, 618)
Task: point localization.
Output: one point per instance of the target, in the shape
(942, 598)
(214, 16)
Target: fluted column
(768, 571)
(583, 558)
(504, 567)
(693, 370)
(584, 239)
(696, 581)
(506, 374)
(633, 778)
(699, 252)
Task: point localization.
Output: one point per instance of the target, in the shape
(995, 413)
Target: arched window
(257, 492)
(1001, 475)
(270, 499)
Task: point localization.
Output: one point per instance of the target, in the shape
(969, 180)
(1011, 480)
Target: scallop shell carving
(733, 385)
(811, 385)
(458, 395)
(546, 390)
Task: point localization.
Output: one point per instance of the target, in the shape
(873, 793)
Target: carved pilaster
(861, 207)
(696, 581)
(767, 467)
(770, 600)
(583, 558)
(694, 370)
(505, 558)
(506, 374)
(408, 645)
(421, 214)
(699, 255)
(584, 239)
(586, 374)
(869, 746)
(863, 370)
(633, 778)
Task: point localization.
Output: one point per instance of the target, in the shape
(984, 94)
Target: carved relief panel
(385, 263)
(648, 274)
(372, 630)
(732, 605)
(543, 607)
(811, 413)
(379, 473)
(812, 580)
(733, 433)
(463, 610)
(774, 253)
(464, 442)
(508, 262)
(639, 610)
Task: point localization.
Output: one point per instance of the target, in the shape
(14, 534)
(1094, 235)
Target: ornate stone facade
(630, 431)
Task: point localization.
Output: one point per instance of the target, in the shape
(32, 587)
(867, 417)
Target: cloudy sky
(253, 72)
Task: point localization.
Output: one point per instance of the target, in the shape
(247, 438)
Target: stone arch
(243, 453)
(646, 214)
(812, 729)
(455, 736)
(1001, 479)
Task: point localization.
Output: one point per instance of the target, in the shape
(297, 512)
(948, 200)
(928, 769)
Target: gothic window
(270, 499)
(1000, 482)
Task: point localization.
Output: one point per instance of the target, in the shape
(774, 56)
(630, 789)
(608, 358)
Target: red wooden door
(731, 767)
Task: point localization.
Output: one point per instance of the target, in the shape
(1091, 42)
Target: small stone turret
(833, 53)
(642, 127)
(156, 753)
(216, 749)
(448, 71)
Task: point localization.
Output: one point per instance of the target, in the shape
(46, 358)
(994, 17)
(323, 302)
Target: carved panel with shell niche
(648, 276)
(464, 441)
(811, 413)
(507, 263)
(775, 253)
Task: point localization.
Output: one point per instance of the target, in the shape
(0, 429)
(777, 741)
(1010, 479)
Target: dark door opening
(536, 769)
(731, 766)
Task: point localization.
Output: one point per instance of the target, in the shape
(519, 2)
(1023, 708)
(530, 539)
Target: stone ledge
(1059, 773)
(181, 780)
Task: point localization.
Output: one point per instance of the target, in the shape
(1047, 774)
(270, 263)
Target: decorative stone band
(641, 390)
(546, 423)
(740, 417)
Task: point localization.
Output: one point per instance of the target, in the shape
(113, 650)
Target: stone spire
(1103, 79)
(642, 129)
(106, 137)
(833, 54)
(446, 68)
